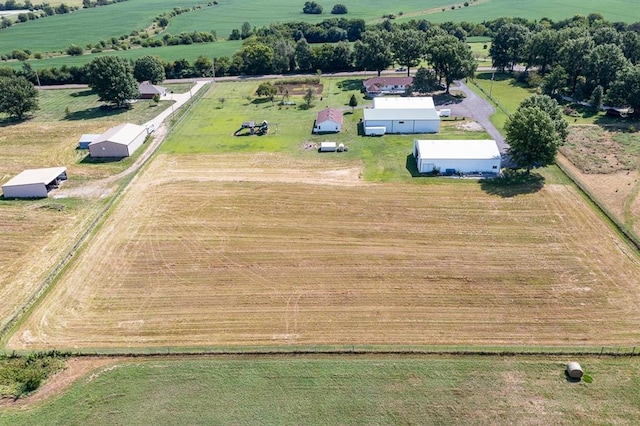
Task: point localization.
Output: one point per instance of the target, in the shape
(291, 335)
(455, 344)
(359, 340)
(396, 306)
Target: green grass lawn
(363, 390)
(210, 128)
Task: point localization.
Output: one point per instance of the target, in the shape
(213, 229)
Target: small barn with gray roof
(119, 141)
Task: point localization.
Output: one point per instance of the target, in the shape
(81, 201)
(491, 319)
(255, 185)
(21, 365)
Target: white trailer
(327, 147)
(375, 130)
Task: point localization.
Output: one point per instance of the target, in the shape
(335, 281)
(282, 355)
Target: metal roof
(400, 114)
(89, 137)
(418, 102)
(122, 134)
(32, 176)
(329, 114)
(458, 149)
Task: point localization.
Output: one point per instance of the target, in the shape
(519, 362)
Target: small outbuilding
(34, 183)
(403, 115)
(329, 120)
(86, 139)
(119, 141)
(148, 90)
(457, 156)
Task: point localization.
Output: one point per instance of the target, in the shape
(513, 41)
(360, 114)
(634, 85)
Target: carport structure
(34, 183)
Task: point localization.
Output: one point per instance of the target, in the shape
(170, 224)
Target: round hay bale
(574, 370)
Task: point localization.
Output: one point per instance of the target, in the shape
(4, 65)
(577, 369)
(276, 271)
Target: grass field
(352, 390)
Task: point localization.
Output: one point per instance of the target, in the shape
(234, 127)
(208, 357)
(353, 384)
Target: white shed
(34, 183)
(329, 120)
(453, 156)
(119, 141)
(403, 115)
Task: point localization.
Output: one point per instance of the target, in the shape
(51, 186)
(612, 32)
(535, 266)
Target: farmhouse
(148, 90)
(401, 115)
(379, 86)
(34, 183)
(329, 120)
(119, 141)
(86, 139)
(457, 156)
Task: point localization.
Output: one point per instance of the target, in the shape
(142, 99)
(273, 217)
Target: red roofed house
(378, 86)
(148, 90)
(329, 120)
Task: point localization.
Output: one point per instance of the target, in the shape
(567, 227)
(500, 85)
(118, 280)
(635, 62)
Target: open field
(353, 390)
(266, 249)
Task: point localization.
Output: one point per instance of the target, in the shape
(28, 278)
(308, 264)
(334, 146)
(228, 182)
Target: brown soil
(593, 150)
(301, 89)
(266, 249)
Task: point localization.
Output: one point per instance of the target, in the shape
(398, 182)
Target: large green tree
(625, 91)
(408, 47)
(541, 49)
(508, 46)
(605, 61)
(574, 58)
(149, 68)
(256, 58)
(532, 138)
(303, 55)
(551, 107)
(111, 77)
(18, 96)
(373, 51)
(451, 58)
(424, 81)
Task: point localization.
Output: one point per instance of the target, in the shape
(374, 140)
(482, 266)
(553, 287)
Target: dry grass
(245, 249)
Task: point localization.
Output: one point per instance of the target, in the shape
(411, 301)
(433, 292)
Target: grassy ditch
(23, 374)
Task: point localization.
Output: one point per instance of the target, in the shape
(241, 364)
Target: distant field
(353, 390)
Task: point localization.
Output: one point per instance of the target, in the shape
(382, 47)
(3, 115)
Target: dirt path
(104, 187)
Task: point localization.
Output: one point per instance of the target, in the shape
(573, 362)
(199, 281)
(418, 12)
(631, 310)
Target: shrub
(312, 8)
(339, 9)
(74, 50)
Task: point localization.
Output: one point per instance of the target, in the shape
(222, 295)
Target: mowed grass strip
(262, 249)
(369, 390)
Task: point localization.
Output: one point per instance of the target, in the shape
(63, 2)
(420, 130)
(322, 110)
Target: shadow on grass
(513, 183)
(12, 121)
(88, 159)
(412, 166)
(83, 93)
(447, 99)
(259, 101)
(92, 113)
(349, 85)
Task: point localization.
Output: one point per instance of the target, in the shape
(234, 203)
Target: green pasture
(211, 125)
(442, 390)
(611, 10)
(167, 53)
(56, 33)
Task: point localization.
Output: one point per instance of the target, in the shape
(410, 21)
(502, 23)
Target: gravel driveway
(476, 108)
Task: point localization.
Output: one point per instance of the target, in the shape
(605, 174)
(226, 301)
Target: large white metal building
(457, 156)
(119, 141)
(402, 115)
(34, 183)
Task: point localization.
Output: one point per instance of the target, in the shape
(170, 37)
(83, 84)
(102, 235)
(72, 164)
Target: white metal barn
(403, 115)
(457, 156)
(34, 183)
(329, 120)
(119, 141)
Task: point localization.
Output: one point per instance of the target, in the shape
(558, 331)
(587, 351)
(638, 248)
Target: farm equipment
(253, 129)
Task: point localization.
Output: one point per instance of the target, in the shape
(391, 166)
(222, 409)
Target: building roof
(400, 114)
(377, 82)
(329, 114)
(89, 137)
(32, 176)
(122, 134)
(146, 88)
(417, 102)
(458, 149)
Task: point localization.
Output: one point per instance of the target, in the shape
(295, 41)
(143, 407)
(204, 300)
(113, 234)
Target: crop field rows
(232, 250)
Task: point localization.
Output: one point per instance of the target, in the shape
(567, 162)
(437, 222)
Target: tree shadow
(259, 101)
(12, 121)
(447, 99)
(513, 183)
(349, 85)
(92, 113)
(88, 92)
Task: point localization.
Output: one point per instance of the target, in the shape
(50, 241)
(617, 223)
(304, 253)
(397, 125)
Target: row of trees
(581, 62)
